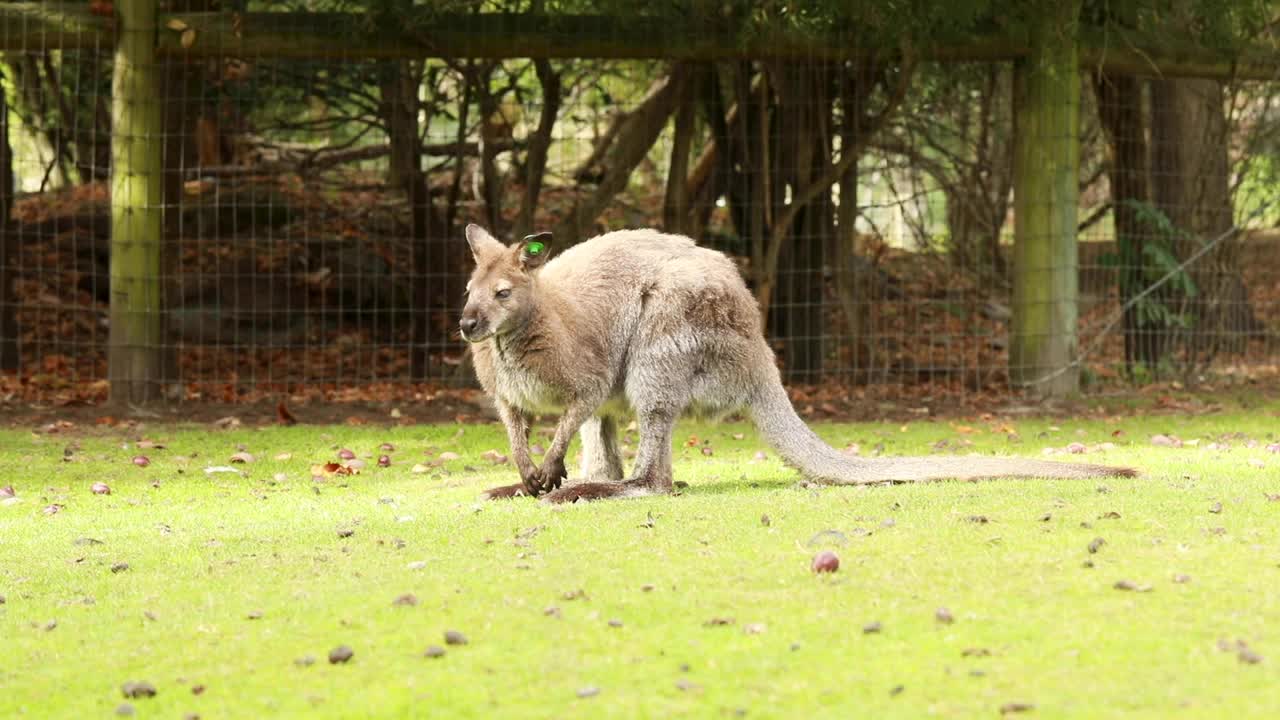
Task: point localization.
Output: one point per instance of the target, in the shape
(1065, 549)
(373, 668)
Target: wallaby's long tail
(801, 448)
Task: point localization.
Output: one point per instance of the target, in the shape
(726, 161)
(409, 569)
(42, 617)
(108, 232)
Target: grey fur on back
(647, 322)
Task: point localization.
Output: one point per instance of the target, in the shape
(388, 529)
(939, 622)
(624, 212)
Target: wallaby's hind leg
(652, 473)
(601, 458)
(653, 458)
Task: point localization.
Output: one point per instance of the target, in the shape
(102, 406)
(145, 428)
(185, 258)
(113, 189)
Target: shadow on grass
(739, 487)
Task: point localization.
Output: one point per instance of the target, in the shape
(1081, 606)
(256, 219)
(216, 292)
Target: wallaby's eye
(503, 294)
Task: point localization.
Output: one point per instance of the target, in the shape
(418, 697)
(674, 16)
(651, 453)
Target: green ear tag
(534, 248)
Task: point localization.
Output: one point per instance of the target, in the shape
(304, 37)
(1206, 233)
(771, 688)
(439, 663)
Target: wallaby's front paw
(546, 478)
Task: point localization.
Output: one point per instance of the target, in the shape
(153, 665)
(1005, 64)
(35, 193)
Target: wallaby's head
(500, 292)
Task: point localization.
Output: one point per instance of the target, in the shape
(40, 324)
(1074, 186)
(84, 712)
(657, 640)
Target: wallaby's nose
(468, 325)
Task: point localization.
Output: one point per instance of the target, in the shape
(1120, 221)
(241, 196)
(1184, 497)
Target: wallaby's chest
(525, 388)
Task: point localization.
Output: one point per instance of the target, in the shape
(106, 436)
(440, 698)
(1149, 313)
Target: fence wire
(312, 211)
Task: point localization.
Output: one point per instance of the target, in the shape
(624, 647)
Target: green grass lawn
(607, 609)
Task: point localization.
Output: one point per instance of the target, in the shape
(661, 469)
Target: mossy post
(137, 189)
(1046, 161)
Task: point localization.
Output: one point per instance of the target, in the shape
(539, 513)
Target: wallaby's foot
(506, 492)
(587, 491)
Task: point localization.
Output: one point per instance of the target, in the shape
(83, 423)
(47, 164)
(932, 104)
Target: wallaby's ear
(481, 242)
(534, 250)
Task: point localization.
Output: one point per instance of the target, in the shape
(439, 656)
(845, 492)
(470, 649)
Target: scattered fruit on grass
(100, 488)
(685, 685)
(346, 533)
(755, 628)
(387, 447)
(975, 652)
(453, 637)
(138, 689)
(825, 562)
(1131, 586)
(615, 623)
(197, 689)
(588, 691)
(449, 456)
(141, 460)
(346, 454)
(384, 461)
(1016, 707)
(944, 616)
(340, 654)
(1076, 448)
(119, 567)
(434, 651)
(52, 509)
(872, 628)
(1095, 545)
(405, 600)
(242, 457)
(254, 615)
(1216, 508)
(7, 491)
(305, 661)
(719, 621)
(1181, 579)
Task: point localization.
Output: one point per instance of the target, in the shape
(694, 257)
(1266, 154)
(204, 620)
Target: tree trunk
(9, 360)
(493, 130)
(398, 90)
(1191, 183)
(676, 202)
(1120, 111)
(802, 152)
(1046, 163)
(137, 198)
(539, 144)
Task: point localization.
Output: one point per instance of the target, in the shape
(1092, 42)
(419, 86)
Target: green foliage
(1215, 23)
(1155, 253)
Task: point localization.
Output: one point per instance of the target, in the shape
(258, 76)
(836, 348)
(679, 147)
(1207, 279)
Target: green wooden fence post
(1046, 164)
(137, 183)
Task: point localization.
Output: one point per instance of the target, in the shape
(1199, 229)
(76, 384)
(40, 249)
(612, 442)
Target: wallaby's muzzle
(472, 329)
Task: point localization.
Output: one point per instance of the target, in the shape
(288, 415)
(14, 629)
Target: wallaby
(644, 322)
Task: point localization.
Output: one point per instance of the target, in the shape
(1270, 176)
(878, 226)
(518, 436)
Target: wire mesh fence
(311, 201)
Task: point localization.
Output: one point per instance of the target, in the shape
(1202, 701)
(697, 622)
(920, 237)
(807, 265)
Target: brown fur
(648, 323)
